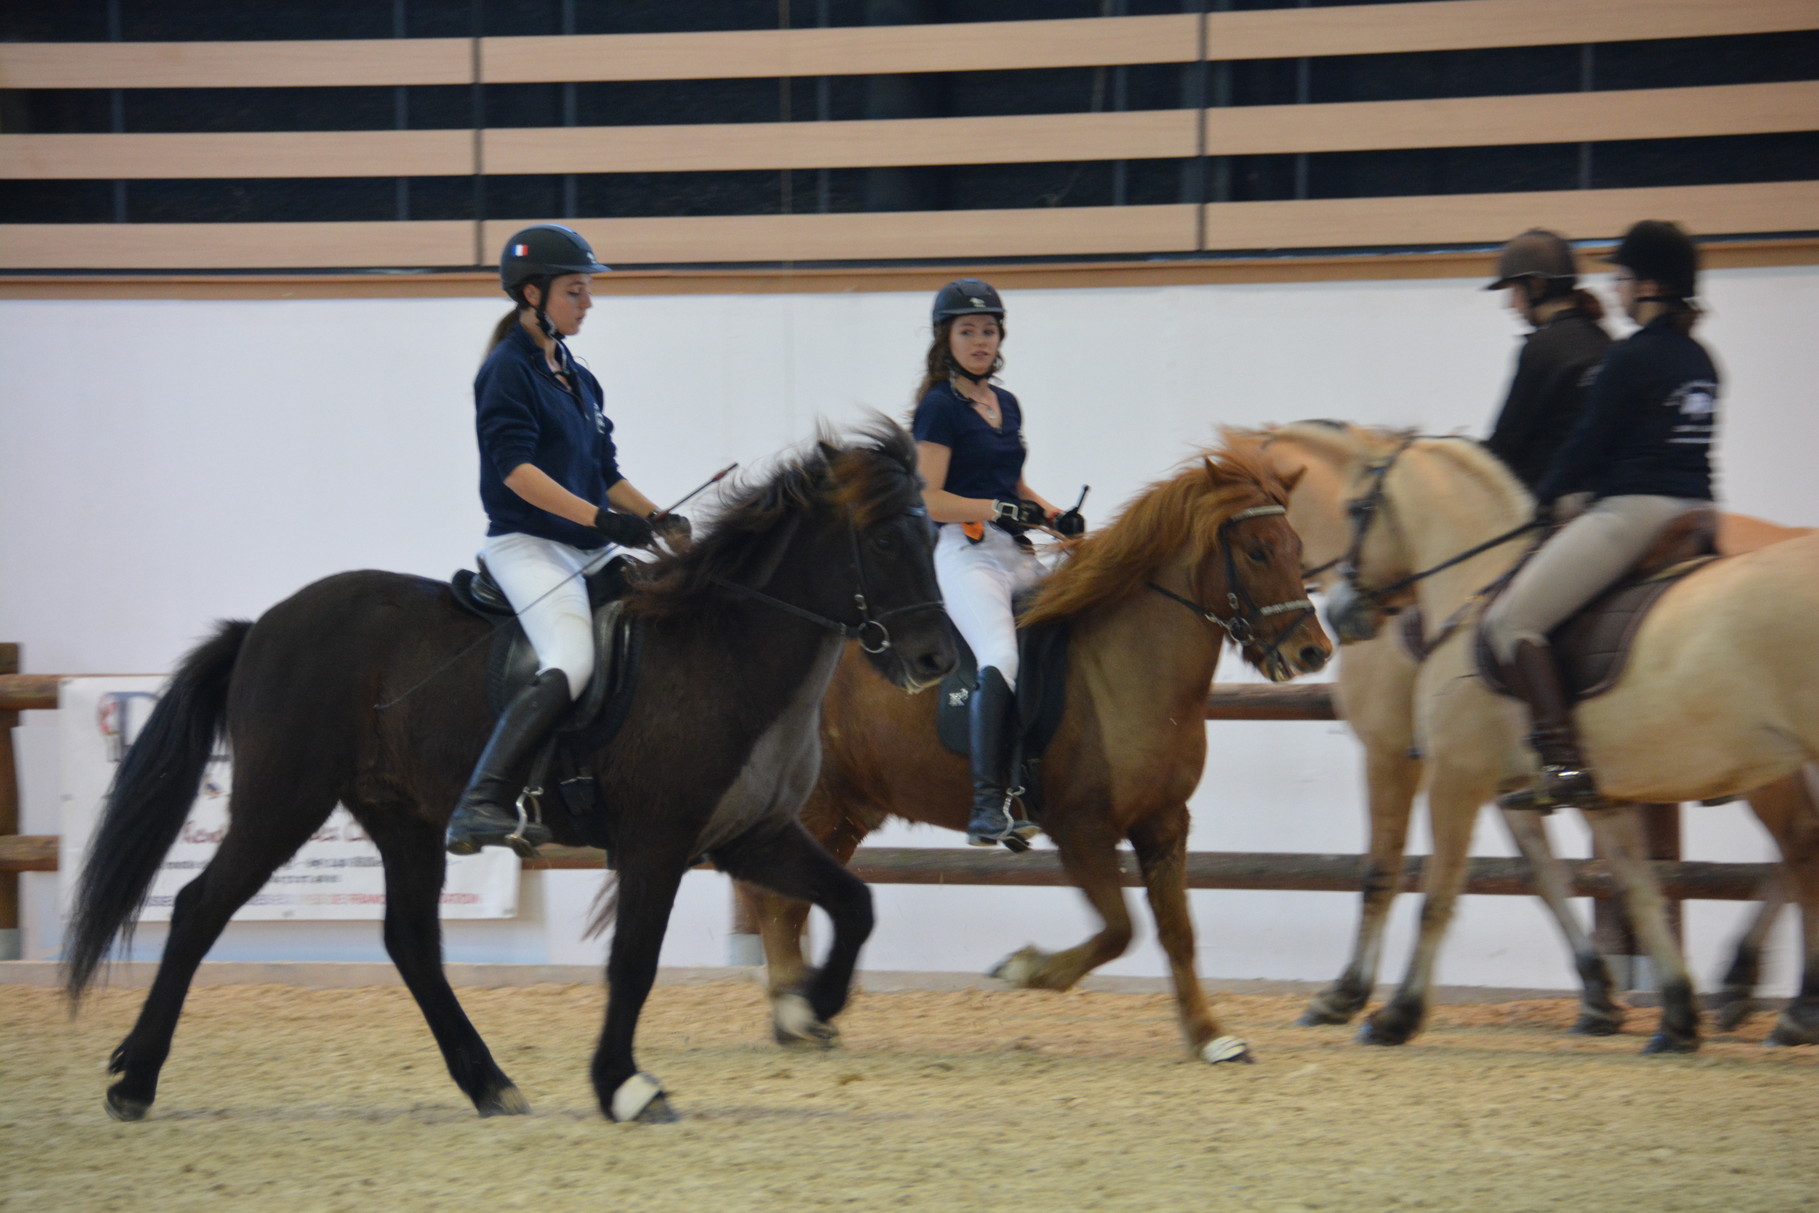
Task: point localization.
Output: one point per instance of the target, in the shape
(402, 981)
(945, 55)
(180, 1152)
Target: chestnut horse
(1729, 735)
(1149, 601)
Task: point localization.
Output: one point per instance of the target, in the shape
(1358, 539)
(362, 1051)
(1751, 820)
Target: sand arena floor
(294, 1099)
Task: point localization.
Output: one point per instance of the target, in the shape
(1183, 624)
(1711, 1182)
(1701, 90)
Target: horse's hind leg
(1735, 1000)
(1089, 852)
(786, 860)
(1599, 1013)
(1789, 814)
(1161, 846)
(414, 867)
(249, 853)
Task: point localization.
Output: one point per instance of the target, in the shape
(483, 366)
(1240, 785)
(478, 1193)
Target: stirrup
(1559, 786)
(994, 832)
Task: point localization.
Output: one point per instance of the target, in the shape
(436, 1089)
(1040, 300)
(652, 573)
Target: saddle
(1593, 646)
(577, 817)
(1041, 700)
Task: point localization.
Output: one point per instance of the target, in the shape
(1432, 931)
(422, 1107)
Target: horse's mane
(1346, 441)
(1185, 510)
(873, 475)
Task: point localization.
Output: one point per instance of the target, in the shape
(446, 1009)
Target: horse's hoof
(795, 1025)
(1224, 1048)
(1789, 1032)
(1597, 1023)
(1383, 1030)
(1019, 966)
(506, 1101)
(1733, 1013)
(1662, 1042)
(125, 1108)
(640, 1098)
(1321, 1013)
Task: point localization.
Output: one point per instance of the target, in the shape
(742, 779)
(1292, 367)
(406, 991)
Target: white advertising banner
(335, 875)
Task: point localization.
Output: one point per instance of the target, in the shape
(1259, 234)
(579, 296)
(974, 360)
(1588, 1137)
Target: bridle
(1363, 510)
(1242, 623)
(870, 631)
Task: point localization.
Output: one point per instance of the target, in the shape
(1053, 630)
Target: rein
(1364, 510)
(870, 631)
(1241, 625)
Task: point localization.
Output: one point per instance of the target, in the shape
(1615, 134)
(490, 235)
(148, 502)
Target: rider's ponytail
(1588, 303)
(502, 330)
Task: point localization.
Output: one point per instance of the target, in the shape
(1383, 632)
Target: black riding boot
(1565, 780)
(993, 737)
(486, 815)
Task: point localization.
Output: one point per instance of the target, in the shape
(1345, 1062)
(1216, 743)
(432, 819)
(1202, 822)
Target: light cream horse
(1701, 713)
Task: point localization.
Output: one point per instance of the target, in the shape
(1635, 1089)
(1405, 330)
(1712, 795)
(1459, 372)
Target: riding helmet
(1536, 253)
(1658, 251)
(545, 250)
(967, 297)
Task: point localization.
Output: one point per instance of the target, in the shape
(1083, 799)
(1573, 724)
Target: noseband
(1246, 615)
(869, 631)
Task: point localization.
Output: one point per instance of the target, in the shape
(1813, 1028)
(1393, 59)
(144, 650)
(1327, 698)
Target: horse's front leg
(646, 894)
(781, 919)
(1453, 801)
(782, 857)
(1089, 853)
(1393, 777)
(1790, 816)
(1599, 1013)
(1161, 846)
(1735, 1000)
(1619, 834)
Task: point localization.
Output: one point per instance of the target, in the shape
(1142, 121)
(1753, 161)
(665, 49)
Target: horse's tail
(147, 803)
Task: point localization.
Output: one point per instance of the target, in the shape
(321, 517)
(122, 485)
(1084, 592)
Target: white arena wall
(164, 464)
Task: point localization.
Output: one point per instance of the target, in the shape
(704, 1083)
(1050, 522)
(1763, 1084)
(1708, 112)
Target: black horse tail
(147, 803)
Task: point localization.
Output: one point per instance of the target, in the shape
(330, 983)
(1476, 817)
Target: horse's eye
(1260, 554)
(885, 542)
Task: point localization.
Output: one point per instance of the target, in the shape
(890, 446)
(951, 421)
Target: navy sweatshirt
(1546, 394)
(523, 414)
(984, 462)
(1648, 422)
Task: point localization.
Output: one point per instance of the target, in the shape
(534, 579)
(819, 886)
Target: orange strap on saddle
(974, 531)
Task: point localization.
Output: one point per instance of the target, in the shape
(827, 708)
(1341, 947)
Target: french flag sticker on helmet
(521, 250)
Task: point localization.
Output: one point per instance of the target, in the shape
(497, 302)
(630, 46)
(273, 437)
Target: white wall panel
(164, 464)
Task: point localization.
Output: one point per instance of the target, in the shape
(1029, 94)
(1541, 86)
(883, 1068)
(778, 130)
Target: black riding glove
(673, 529)
(626, 530)
(1019, 513)
(1069, 523)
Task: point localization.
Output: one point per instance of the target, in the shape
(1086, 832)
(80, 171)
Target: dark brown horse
(739, 637)
(1149, 601)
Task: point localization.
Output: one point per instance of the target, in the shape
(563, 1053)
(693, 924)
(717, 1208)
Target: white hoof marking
(795, 1020)
(1224, 1048)
(634, 1095)
(1020, 966)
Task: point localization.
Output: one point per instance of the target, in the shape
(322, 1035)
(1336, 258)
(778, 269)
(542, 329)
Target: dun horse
(1719, 700)
(1376, 686)
(1149, 601)
(739, 638)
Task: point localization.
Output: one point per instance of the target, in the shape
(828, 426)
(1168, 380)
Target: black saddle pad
(1594, 646)
(1041, 691)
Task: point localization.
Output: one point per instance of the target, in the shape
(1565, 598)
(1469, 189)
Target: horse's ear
(1291, 479)
(1215, 472)
(828, 450)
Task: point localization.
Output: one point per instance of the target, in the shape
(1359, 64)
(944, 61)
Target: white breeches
(543, 580)
(977, 580)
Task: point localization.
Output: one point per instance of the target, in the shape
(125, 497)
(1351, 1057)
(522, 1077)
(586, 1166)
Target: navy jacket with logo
(523, 414)
(1648, 422)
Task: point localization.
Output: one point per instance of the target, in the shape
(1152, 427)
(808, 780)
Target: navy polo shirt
(984, 462)
(523, 414)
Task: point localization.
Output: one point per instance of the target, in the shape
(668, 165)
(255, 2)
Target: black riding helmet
(1538, 254)
(1655, 250)
(545, 250)
(967, 297)
(539, 254)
